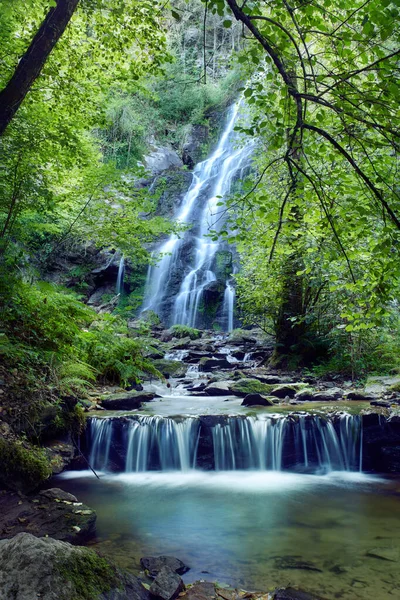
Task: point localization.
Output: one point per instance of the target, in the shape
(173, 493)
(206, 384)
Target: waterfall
(228, 306)
(120, 276)
(296, 442)
(175, 285)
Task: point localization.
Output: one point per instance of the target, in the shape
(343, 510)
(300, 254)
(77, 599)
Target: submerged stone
(390, 554)
(290, 593)
(154, 564)
(295, 562)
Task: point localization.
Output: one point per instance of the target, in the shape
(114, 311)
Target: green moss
(22, 466)
(89, 573)
(181, 331)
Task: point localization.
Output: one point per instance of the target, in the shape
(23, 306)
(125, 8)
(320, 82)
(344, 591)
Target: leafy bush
(49, 331)
(115, 356)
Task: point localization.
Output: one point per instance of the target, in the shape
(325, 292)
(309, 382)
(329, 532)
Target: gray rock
(58, 494)
(167, 584)
(126, 400)
(154, 564)
(208, 364)
(327, 395)
(256, 400)
(219, 388)
(32, 568)
(161, 160)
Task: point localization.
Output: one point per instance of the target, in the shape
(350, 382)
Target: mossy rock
(170, 368)
(288, 389)
(183, 331)
(33, 567)
(251, 386)
(23, 467)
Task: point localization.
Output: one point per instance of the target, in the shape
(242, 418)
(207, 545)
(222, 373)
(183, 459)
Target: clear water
(235, 527)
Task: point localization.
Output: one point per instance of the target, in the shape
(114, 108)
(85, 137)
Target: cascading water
(120, 276)
(175, 285)
(229, 305)
(296, 442)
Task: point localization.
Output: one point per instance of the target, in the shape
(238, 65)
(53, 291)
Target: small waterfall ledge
(301, 442)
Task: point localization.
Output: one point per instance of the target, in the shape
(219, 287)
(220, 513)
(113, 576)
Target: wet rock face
(381, 444)
(173, 186)
(52, 513)
(193, 148)
(46, 568)
(126, 400)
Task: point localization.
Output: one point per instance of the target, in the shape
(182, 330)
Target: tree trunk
(31, 64)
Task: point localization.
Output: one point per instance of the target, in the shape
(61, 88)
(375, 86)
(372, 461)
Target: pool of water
(254, 530)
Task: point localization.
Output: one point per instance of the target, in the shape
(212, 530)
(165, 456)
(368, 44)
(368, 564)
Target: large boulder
(208, 364)
(32, 568)
(282, 391)
(167, 585)
(256, 400)
(154, 564)
(52, 513)
(171, 368)
(162, 159)
(219, 388)
(126, 400)
(329, 395)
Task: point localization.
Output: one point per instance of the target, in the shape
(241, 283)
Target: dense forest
(111, 113)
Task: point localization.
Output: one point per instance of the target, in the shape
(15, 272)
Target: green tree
(325, 102)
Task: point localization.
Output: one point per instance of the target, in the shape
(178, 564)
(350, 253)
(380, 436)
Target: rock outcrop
(32, 568)
(52, 513)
